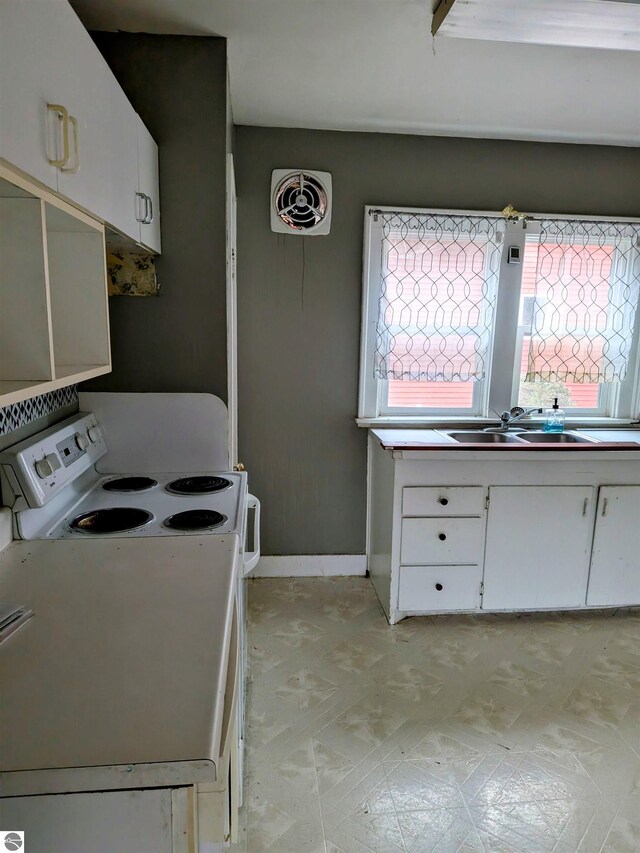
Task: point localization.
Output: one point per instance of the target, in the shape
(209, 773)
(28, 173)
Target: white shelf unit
(54, 316)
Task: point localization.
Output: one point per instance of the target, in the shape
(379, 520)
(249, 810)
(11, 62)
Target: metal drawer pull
(443, 501)
(605, 504)
(439, 587)
(442, 536)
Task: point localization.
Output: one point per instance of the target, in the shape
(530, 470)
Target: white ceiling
(373, 65)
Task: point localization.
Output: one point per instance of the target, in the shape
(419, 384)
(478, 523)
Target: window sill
(443, 422)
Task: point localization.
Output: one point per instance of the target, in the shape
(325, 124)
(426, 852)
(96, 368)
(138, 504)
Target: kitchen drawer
(432, 541)
(443, 500)
(439, 588)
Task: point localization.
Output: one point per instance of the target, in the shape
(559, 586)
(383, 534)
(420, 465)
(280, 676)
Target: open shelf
(54, 319)
(25, 333)
(76, 256)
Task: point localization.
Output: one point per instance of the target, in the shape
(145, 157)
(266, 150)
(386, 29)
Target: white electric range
(68, 482)
(55, 491)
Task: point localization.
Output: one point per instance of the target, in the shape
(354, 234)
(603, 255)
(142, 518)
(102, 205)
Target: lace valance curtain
(438, 284)
(586, 297)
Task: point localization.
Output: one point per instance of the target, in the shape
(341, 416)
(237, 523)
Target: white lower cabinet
(450, 532)
(199, 818)
(538, 547)
(145, 821)
(614, 578)
(441, 545)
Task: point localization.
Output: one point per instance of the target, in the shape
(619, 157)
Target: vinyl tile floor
(513, 734)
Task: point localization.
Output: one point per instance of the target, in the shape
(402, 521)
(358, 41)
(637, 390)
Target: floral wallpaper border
(20, 414)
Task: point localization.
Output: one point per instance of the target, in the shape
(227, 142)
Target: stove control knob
(95, 434)
(81, 441)
(43, 469)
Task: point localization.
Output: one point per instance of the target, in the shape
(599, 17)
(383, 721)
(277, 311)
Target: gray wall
(299, 298)
(177, 341)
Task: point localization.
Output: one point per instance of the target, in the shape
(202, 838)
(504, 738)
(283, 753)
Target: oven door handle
(251, 557)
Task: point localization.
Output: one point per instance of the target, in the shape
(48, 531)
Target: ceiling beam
(608, 24)
(441, 12)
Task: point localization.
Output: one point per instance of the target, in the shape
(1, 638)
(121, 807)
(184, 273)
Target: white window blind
(438, 283)
(586, 297)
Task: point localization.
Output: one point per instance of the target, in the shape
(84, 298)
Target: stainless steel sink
(556, 438)
(477, 437)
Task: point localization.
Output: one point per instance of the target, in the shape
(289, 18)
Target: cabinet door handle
(63, 115)
(141, 197)
(443, 501)
(439, 587)
(73, 170)
(605, 506)
(148, 219)
(585, 506)
(442, 536)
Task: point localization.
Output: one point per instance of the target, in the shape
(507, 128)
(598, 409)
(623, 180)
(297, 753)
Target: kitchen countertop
(125, 659)
(430, 439)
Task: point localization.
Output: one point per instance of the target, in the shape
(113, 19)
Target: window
(451, 328)
(538, 304)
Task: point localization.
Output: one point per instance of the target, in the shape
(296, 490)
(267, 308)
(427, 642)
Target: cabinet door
(33, 63)
(615, 563)
(106, 157)
(123, 821)
(538, 547)
(149, 187)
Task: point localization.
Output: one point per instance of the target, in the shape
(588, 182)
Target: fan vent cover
(300, 202)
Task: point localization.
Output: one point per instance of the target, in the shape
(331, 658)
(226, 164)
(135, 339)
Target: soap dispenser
(554, 418)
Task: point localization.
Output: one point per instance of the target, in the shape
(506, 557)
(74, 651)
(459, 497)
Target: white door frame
(232, 311)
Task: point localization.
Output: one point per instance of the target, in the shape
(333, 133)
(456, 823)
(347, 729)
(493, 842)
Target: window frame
(499, 390)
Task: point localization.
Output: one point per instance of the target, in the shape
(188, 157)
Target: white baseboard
(322, 565)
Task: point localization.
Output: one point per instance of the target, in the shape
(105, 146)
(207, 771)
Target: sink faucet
(507, 419)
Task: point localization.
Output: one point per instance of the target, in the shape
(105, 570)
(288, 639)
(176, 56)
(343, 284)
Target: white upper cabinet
(34, 65)
(103, 173)
(148, 196)
(66, 121)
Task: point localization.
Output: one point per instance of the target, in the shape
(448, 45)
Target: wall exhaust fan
(300, 202)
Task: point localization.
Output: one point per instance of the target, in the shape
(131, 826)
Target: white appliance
(61, 483)
(301, 202)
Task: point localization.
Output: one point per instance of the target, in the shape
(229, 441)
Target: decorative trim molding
(20, 414)
(303, 566)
